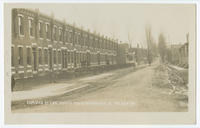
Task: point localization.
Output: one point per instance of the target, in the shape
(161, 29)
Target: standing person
(12, 83)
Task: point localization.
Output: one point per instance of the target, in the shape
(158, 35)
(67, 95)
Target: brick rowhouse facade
(42, 44)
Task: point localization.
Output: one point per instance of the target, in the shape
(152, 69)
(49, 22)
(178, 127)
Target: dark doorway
(50, 58)
(34, 59)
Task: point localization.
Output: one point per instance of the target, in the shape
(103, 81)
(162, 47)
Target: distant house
(175, 53)
(179, 54)
(183, 52)
(131, 54)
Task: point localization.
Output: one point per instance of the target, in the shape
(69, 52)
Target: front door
(98, 58)
(75, 58)
(64, 59)
(34, 59)
(88, 58)
(50, 58)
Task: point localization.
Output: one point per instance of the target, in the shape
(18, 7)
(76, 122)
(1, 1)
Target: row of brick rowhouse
(42, 44)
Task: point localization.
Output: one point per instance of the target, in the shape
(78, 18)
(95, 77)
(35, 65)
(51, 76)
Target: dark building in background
(178, 54)
(130, 55)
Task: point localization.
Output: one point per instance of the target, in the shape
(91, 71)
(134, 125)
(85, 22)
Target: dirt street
(125, 90)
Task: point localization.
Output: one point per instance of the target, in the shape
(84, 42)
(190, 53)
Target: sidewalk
(55, 89)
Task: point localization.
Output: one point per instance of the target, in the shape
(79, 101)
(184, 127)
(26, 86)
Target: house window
(91, 41)
(80, 39)
(72, 57)
(77, 38)
(28, 56)
(54, 32)
(82, 57)
(79, 57)
(97, 45)
(12, 57)
(102, 46)
(106, 44)
(30, 23)
(66, 36)
(94, 42)
(112, 59)
(59, 57)
(70, 37)
(40, 30)
(111, 47)
(54, 57)
(21, 25)
(68, 56)
(46, 56)
(47, 31)
(84, 39)
(75, 57)
(100, 43)
(40, 56)
(60, 35)
(20, 58)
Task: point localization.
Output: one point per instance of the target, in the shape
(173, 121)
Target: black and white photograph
(129, 58)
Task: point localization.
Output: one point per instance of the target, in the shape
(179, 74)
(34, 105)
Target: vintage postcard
(100, 63)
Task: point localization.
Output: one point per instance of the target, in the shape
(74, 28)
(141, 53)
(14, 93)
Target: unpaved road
(126, 90)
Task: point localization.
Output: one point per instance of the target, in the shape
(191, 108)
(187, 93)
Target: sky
(120, 21)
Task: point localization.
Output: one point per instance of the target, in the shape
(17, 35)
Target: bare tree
(149, 40)
(162, 48)
(130, 39)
